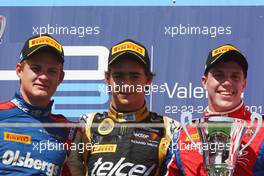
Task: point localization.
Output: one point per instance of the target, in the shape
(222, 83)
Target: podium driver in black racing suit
(128, 139)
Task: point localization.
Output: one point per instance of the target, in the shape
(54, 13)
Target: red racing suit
(182, 161)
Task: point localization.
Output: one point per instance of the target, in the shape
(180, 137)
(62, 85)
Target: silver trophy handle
(253, 117)
(183, 123)
(2, 26)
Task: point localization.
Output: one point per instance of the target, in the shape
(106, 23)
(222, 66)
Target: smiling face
(39, 76)
(224, 83)
(122, 77)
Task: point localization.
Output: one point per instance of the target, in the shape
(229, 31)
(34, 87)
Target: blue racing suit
(27, 150)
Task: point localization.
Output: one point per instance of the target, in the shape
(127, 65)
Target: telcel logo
(109, 168)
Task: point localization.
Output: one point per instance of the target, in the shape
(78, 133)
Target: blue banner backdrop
(178, 40)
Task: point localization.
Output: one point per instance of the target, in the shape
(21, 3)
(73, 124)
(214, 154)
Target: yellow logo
(193, 136)
(128, 46)
(222, 50)
(45, 40)
(106, 126)
(104, 148)
(14, 137)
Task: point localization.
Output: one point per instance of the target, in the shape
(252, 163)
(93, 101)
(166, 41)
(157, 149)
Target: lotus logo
(2, 26)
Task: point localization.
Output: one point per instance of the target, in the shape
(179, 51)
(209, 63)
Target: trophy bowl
(220, 140)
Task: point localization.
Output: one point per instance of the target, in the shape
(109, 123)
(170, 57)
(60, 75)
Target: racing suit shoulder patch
(99, 117)
(6, 105)
(88, 118)
(154, 117)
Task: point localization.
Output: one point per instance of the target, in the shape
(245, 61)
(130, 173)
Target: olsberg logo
(15, 159)
(14, 137)
(45, 40)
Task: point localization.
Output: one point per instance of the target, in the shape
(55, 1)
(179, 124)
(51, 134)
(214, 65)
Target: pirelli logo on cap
(106, 148)
(45, 40)
(14, 137)
(222, 50)
(128, 46)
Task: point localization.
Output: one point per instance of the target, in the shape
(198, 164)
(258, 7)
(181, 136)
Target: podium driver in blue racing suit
(25, 149)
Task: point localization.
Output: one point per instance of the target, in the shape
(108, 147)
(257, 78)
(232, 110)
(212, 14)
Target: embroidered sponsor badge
(195, 137)
(129, 46)
(222, 50)
(106, 148)
(106, 126)
(45, 40)
(14, 137)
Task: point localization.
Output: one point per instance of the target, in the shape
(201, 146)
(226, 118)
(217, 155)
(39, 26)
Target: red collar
(240, 112)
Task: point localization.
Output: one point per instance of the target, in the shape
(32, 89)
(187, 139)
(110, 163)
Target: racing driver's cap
(42, 43)
(129, 49)
(226, 53)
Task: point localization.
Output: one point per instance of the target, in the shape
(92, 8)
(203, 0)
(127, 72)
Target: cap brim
(48, 49)
(128, 54)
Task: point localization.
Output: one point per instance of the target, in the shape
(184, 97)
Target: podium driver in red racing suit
(225, 80)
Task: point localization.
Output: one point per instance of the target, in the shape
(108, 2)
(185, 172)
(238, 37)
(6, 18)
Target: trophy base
(219, 170)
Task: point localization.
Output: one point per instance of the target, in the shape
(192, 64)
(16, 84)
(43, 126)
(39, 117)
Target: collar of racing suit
(240, 112)
(29, 109)
(137, 116)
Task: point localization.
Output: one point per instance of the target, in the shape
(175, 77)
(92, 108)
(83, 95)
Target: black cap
(130, 49)
(43, 43)
(226, 53)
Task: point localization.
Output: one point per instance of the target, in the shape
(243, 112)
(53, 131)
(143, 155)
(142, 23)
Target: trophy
(2, 26)
(220, 140)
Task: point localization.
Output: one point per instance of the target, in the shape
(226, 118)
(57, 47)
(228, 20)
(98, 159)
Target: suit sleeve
(74, 162)
(169, 165)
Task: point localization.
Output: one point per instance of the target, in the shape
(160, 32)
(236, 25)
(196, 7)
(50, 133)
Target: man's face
(39, 77)
(127, 79)
(224, 83)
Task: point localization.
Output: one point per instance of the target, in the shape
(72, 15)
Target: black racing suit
(123, 143)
